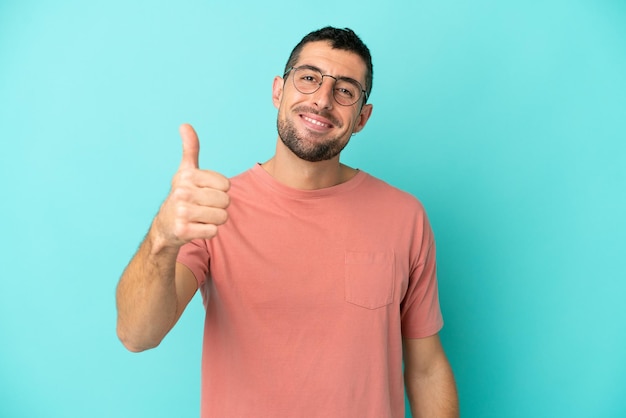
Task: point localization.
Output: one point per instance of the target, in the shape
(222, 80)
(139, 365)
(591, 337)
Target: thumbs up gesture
(197, 202)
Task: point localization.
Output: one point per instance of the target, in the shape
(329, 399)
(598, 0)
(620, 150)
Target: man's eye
(309, 79)
(345, 92)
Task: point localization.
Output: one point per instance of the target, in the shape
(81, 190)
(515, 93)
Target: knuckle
(181, 178)
(182, 212)
(180, 229)
(185, 175)
(181, 193)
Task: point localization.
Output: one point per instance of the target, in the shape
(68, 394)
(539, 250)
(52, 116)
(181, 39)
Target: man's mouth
(316, 122)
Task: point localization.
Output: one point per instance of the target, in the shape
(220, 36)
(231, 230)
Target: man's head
(344, 39)
(319, 107)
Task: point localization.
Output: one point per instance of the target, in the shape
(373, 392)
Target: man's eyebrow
(310, 67)
(339, 77)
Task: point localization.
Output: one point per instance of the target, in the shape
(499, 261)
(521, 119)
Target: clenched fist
(197, 202)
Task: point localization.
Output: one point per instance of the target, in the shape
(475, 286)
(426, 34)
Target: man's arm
(151, 296)
(154, 290)
(429, 380)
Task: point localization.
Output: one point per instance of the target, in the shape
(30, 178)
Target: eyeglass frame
(311, 67)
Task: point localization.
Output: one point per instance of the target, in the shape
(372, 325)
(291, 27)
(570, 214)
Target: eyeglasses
(308, 80)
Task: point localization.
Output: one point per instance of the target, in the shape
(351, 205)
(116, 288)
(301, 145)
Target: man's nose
(324, 96)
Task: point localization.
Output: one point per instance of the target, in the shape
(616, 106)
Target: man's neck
(296, 173)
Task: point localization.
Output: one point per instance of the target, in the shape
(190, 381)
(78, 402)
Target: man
(318, 279)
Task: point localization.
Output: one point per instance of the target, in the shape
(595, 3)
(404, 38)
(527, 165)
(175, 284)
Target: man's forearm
(146, 297)
(433, 394)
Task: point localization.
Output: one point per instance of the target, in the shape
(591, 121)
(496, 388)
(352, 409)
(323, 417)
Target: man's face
(314, 126)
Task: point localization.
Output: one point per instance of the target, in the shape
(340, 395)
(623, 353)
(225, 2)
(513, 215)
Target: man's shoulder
(382, 189)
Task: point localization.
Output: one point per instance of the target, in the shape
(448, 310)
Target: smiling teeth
(318, 123)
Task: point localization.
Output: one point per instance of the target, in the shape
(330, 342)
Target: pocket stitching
(378, 293)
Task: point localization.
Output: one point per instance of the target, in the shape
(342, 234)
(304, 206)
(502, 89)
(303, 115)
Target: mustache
(323, 113)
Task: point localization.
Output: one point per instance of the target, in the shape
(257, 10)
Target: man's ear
(362, 118)
(277, 91)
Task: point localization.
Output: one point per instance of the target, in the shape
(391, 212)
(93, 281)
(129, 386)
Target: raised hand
(197, 202)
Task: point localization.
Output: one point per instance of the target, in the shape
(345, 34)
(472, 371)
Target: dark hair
(344, 39)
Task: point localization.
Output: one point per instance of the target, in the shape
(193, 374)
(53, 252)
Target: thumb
(191, 147)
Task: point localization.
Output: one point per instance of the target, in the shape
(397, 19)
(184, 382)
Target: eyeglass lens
(308, 80)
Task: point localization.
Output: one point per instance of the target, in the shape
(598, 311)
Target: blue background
(507, 119)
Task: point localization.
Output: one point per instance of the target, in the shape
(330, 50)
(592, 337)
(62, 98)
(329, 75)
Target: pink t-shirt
(308, 295)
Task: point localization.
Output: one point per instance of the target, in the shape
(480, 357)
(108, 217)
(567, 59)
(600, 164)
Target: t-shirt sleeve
(420, 310)
(195, 256)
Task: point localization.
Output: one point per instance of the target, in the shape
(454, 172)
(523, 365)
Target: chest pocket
(369, 278)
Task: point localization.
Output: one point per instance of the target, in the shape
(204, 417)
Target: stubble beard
(305, 149)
